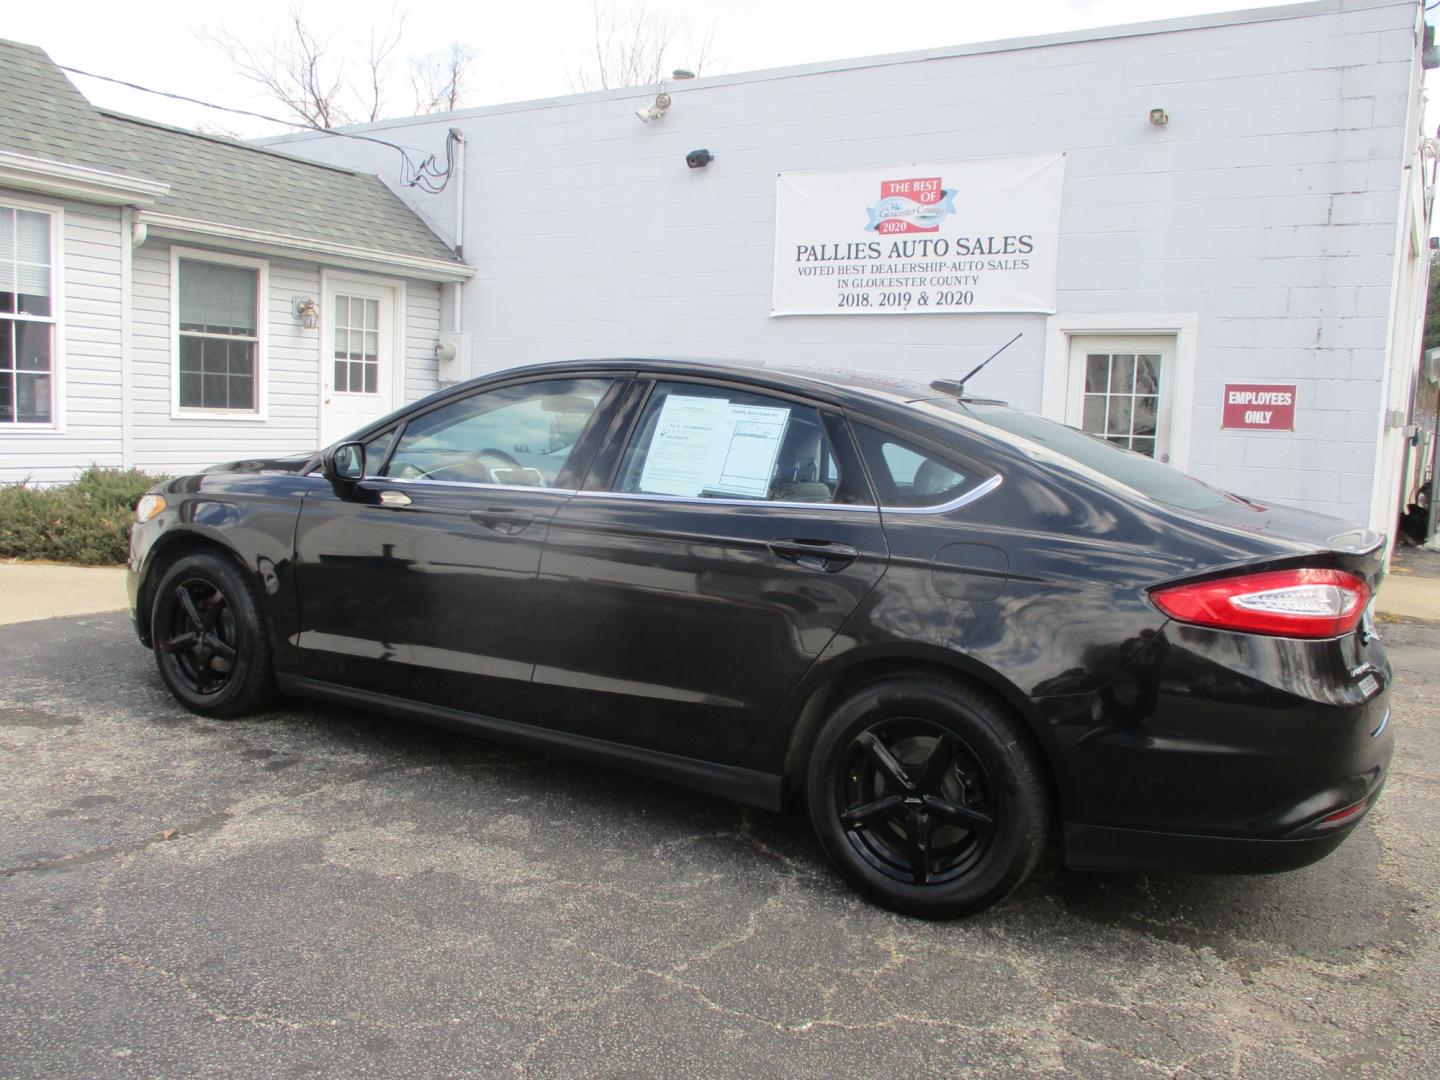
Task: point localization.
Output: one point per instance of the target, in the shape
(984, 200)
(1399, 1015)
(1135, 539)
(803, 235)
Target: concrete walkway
(47, 590)
(31, 591)
(1409, 595)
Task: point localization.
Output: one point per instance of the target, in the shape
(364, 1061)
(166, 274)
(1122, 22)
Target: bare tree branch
(631, 45)
(438, 79)
(307, 70)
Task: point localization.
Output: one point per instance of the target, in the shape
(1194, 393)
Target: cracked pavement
(322, 892)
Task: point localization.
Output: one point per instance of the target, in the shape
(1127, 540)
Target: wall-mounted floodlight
(655, 110)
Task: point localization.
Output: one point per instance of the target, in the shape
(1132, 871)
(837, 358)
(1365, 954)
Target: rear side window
(909, 475)
(1136, 471)
(711, 442)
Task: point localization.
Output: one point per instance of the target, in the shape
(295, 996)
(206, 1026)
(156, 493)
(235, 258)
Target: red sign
(1259, 406)
(913, 205)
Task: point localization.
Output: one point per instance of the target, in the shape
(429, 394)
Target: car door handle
(501, 520)
(815, 554)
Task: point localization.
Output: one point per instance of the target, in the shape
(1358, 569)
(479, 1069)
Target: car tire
(928, 797)
(209, 637)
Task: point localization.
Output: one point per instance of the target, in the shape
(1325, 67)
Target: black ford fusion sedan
(959, 633)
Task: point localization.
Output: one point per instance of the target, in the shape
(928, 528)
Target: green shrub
(86, 522)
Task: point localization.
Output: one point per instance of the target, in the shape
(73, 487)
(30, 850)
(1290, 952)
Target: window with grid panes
(27, 317)
(1122, 399)
(219, 335)
(357, 345)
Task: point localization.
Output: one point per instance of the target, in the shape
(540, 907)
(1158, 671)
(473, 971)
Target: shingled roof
(212, 179)
(232, 183)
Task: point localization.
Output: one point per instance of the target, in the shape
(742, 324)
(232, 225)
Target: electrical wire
(426, 176)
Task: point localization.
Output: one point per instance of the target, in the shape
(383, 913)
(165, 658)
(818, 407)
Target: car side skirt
(764, 791)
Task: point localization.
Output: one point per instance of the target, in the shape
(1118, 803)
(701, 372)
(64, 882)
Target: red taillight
(1288, 603)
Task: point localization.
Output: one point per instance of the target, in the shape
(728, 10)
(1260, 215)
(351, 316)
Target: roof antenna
(957, 387)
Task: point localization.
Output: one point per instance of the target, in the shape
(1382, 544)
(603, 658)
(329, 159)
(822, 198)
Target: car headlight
(148, 507)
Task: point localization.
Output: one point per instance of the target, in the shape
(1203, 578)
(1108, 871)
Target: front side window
(219, 335)
(711, 442)
(909, 475)
(27, 317)
(516, 436)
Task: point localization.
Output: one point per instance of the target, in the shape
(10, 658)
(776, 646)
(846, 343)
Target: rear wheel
(209, 638)
(927, 796)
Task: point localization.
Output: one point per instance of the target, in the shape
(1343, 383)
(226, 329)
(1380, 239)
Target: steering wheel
(491, 451)
(483, 461)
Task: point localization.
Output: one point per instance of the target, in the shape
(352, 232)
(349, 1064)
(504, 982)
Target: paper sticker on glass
(357, 345)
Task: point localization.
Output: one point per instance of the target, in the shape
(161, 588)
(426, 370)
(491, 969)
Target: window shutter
(218, 298)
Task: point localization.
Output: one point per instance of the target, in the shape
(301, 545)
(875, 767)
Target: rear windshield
(1136, 471)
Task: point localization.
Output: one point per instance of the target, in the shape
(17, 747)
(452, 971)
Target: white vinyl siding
(89, 345)
(288, 372)
(86, 352)
(291, 370)
(422, 330)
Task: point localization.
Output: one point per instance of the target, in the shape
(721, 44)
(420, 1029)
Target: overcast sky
(523, 51)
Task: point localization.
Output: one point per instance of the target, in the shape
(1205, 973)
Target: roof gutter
(304, 248)
(28, 173)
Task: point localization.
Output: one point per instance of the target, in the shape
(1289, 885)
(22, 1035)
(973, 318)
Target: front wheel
(927, 796)
(209, 637)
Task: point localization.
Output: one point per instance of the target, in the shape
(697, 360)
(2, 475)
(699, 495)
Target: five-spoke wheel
(209, 637)
(915, 801)
(204, 649)
(927, 795)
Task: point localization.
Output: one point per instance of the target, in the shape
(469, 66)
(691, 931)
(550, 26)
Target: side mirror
(343, 465)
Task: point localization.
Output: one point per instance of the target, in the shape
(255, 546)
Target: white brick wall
(1269, 206)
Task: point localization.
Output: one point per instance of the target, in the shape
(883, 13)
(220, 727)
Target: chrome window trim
(979, 491)
(469, 485)
(641, 496)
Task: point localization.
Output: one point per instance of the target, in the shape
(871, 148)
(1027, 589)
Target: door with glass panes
(358, 357)
(1121, 388)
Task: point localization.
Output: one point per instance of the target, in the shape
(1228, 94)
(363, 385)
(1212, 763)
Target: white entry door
(358, 364)
(1122, 388)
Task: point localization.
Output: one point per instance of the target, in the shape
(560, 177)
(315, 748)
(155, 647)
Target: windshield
(1136, 471)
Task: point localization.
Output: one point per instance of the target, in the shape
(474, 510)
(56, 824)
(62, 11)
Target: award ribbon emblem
(918, 204)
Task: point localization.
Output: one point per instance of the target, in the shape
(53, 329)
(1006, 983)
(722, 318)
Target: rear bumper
(1099, 847)
(1220, 752)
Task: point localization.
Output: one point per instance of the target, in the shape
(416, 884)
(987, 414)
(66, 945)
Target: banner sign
(1259, 407)
(978, 235)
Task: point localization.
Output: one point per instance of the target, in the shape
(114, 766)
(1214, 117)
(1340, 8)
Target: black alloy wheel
(928, 795)
(206, 646)
(209, 637)
(915, 801)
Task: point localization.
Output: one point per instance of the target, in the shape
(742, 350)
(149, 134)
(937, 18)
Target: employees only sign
(979, 235)
(1259, 406)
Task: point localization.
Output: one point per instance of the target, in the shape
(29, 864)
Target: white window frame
(1061, 330)
(56, 423)
(262, 337)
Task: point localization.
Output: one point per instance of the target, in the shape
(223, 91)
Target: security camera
(698, 159)
(658, 108)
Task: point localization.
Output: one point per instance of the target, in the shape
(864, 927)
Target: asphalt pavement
(318, 892)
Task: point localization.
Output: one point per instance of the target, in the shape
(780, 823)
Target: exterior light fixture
(305, 311)
(656, 110)
(1159, 117)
